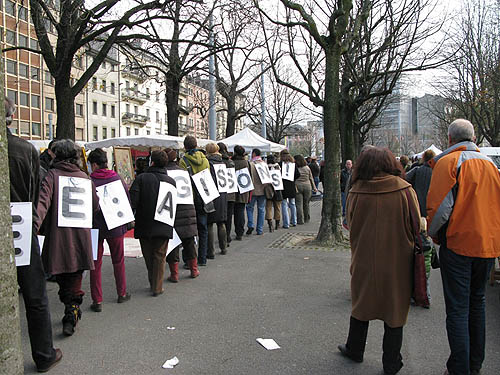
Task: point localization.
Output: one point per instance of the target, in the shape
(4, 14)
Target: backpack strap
(188, 165)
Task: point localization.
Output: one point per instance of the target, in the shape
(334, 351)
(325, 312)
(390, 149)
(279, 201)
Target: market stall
(250, 140)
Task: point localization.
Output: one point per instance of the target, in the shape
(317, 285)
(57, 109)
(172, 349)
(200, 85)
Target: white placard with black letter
(94, 236)
(288, 171)
(264, 174)
(173, 242)
(205, 185)
(22, 221)
(74, 202)
(232, 186)
(244, 180)
(183, 185)
(221, 175)
(166, 205)
(114, 204)
(277, 180)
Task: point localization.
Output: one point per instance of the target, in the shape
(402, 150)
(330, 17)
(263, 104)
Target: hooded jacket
(198, 162)
(463, 202)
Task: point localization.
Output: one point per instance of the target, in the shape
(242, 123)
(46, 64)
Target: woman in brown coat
(381, 236)
(67, 251)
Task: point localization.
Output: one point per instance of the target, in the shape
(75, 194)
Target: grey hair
(461, 130)
(10, 109)
(65, 150)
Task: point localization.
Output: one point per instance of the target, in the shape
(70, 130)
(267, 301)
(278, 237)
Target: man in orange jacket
(463, 217)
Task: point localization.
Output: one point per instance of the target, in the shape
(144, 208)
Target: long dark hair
(375, 161)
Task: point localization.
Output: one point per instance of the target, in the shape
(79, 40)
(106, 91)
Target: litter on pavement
(171, 363)
(269, 344)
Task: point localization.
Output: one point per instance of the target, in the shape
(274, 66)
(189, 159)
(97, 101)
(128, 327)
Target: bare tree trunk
(231, 116)
(11, 357)
(331, 215)
(65, 110)
(172, 99)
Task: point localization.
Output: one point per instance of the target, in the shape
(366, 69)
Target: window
(128, 131)
(23, 41)
(136, 87)
(35, 101)
(10, 8)
(157, 97)
(148, 132)
(12, 95)
(49, 80)
(166, 119)
(104, 133)
(104, 83)
(94, 133)
(147, 112)
(49, 104)
(34, 44)
(94, 83)
(79, 109)
(113, 111)
(112, 88)
(35, 73)
(113, 132)
(24, 70)
(136, 131)
(94, 108)
(147, 92)
(47, 131)
(127, 108)
(127, 85)
(23, 13)
(36, 129)
(11, 67)
(157, 117)
(24, 99)
(14, 127)
(25, 128)
(103, 65)
(136, 110)
(79, 134)
(104, 109)
(113, 67)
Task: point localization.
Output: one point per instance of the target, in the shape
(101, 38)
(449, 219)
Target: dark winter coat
(185, 216)
(220, 214)
(314, 169)
(420, 179)
(229, 164)
(143, 198)
(65, 249)
(239, 163)
(102, 177)
(345, 176)
(289, 189)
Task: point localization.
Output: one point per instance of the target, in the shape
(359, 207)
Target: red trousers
(116, 249)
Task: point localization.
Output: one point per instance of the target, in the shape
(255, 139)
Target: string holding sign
(22, 226)
(232, 186)
(166, 205)
(277, 180)
(74, 202)
(288, 171)
(263, 172)
(221, 175)
(206, 186)
(244, 180)
(114, 204)
(183, 185)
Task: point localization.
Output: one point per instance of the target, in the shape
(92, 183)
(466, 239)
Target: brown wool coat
(65, 250)
(382, 241)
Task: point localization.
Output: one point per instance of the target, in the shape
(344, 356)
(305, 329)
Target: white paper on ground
(174, 242)
(171, 363)
(269, 344)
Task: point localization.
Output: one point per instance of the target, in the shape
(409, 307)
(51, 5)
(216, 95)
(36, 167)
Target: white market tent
(143, 141)
(250, 140)
(44, 143)
(436, 150)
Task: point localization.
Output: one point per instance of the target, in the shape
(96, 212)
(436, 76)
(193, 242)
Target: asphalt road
(296, 296)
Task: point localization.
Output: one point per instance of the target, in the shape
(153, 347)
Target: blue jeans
(343, 196)
(285, 204)
(261, 212)
(202, 224)
(464, 281)
(316, 182)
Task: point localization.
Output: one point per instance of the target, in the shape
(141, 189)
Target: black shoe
(124, 298)
(223, 252)
(72, 314)
(156, 294)
(97, 307)
(475, 372)
(229, 239)
(50, 365)
(239, 238)
(249, 231)
(347, 353)
(68, 329)
(210, 256)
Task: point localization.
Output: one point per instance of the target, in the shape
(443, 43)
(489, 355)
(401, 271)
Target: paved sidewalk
(294, 294)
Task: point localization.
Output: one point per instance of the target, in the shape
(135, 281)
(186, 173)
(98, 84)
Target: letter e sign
(74, 202)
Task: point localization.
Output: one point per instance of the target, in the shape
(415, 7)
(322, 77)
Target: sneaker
(50, 365)
(124, 298)
(96, 307)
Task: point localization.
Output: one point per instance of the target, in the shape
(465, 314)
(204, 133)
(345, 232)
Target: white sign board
(166, 205)
(221, 176)
(94, 236)
(183, 185)
(115, 205)
(22, 221)
(244, 180)
(173, 242)
(264, 174)
(205, 185)
(288, 171)
(232, 186)
(75, 202)
(277, 180)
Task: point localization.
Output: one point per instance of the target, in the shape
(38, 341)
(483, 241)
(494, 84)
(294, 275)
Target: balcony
(185, 110)
(131, 95)
(135, 119)
(135, 74)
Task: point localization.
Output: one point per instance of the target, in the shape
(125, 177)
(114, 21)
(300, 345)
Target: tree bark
(231, 115)
(172, 101)
(11, 357)
(330, 230)
(65, 110)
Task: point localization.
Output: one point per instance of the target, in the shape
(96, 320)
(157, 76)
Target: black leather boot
(277, 225)
(270, 223)
(72, 314)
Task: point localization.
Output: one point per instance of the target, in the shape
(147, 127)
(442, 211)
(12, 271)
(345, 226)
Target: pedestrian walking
(305, 186)
(315, 170)
(273, 203)
(101, 175)
(258, 196)
(345, 176)
(240, 200)
(288, 207)
(382, 254)
(463, 217)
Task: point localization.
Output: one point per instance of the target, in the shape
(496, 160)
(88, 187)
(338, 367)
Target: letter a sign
(75, 202)
(166, 204)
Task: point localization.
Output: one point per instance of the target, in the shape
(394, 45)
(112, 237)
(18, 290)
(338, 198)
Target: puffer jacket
(463, 201)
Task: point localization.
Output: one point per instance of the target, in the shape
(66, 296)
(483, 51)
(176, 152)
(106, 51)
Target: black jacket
(289, 189)
(185, 217)
(220, 214)
(314, 167)
(143, 199)
(344, 179)
(420, 179)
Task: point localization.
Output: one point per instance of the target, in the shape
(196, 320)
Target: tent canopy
(146, 141)
(436, 150)
(250, 140)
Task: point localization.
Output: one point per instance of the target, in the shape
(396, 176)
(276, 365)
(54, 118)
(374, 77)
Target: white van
(493, 153)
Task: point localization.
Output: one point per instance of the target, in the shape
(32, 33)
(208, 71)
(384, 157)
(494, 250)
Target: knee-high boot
(174, 272)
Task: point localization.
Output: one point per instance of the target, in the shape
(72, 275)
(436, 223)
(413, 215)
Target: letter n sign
(166, 205)
(74, 202)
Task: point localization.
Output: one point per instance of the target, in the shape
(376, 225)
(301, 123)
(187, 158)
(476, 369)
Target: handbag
(419, 274)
